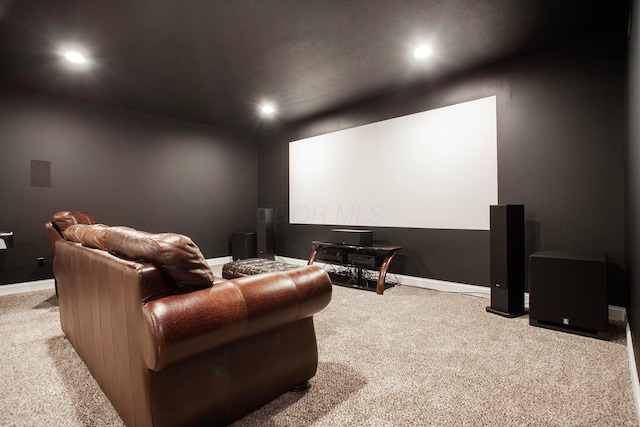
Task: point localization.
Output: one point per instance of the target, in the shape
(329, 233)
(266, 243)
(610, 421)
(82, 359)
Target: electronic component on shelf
(362, 260)
(330, 255)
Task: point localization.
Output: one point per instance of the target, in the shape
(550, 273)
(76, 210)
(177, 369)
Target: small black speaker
(243, 245)
(266, 233)
(507, 260)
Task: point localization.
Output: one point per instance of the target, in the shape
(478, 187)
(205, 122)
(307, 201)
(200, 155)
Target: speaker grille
(266, 233)
(40, 173)
(507, 258)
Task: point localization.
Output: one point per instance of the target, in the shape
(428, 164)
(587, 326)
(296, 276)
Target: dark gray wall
(633, 180)
(144, 171)
(560, 153)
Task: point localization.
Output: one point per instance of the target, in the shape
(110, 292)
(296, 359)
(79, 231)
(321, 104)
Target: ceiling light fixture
(422, 52)
(75, 57)
(268, 109)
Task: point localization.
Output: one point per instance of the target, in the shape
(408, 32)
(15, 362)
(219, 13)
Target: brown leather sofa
(59, 223)
(62, 220)
(169, 344)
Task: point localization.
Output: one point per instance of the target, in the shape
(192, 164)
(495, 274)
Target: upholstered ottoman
(251, 266)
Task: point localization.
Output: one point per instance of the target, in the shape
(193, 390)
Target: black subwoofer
(243, 245)
(568, 292)
(507, 260)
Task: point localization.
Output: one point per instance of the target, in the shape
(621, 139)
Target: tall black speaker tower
(507, 260)
(266, 233)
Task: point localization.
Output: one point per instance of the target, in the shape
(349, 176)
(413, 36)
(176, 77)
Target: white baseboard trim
(296, 261)
(18, 288)
(41, 285)
(419, 282)
(635, 383)
(219, 260)
(441, 285)
(616, 313)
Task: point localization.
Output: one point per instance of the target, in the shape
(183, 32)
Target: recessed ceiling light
(268, 109)
(422, 52)
(75, 57)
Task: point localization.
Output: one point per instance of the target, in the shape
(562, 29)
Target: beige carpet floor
(412, 357)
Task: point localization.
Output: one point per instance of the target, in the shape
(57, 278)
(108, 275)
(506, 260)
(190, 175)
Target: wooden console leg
(382, 276)
(312, 257)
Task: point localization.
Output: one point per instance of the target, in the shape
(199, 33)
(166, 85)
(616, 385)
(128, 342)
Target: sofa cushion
(62, 220)
(92, 236)
(175, 254)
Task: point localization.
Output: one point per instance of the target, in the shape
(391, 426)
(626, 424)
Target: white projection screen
(434, 169)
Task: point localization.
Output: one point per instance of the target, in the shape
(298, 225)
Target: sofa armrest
(188, 325)
(53, 235)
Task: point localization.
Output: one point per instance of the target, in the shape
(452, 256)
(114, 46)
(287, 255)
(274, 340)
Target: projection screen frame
(433, 169)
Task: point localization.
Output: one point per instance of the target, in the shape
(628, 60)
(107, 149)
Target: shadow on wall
(531, 245)
(401, 262)
(44, 271)
(3, 260)
(25, 272)
(618, 289)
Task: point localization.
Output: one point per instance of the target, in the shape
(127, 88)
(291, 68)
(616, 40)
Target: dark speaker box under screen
(343, 236)
(507, 260)
(568, 292)
(266, 233)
